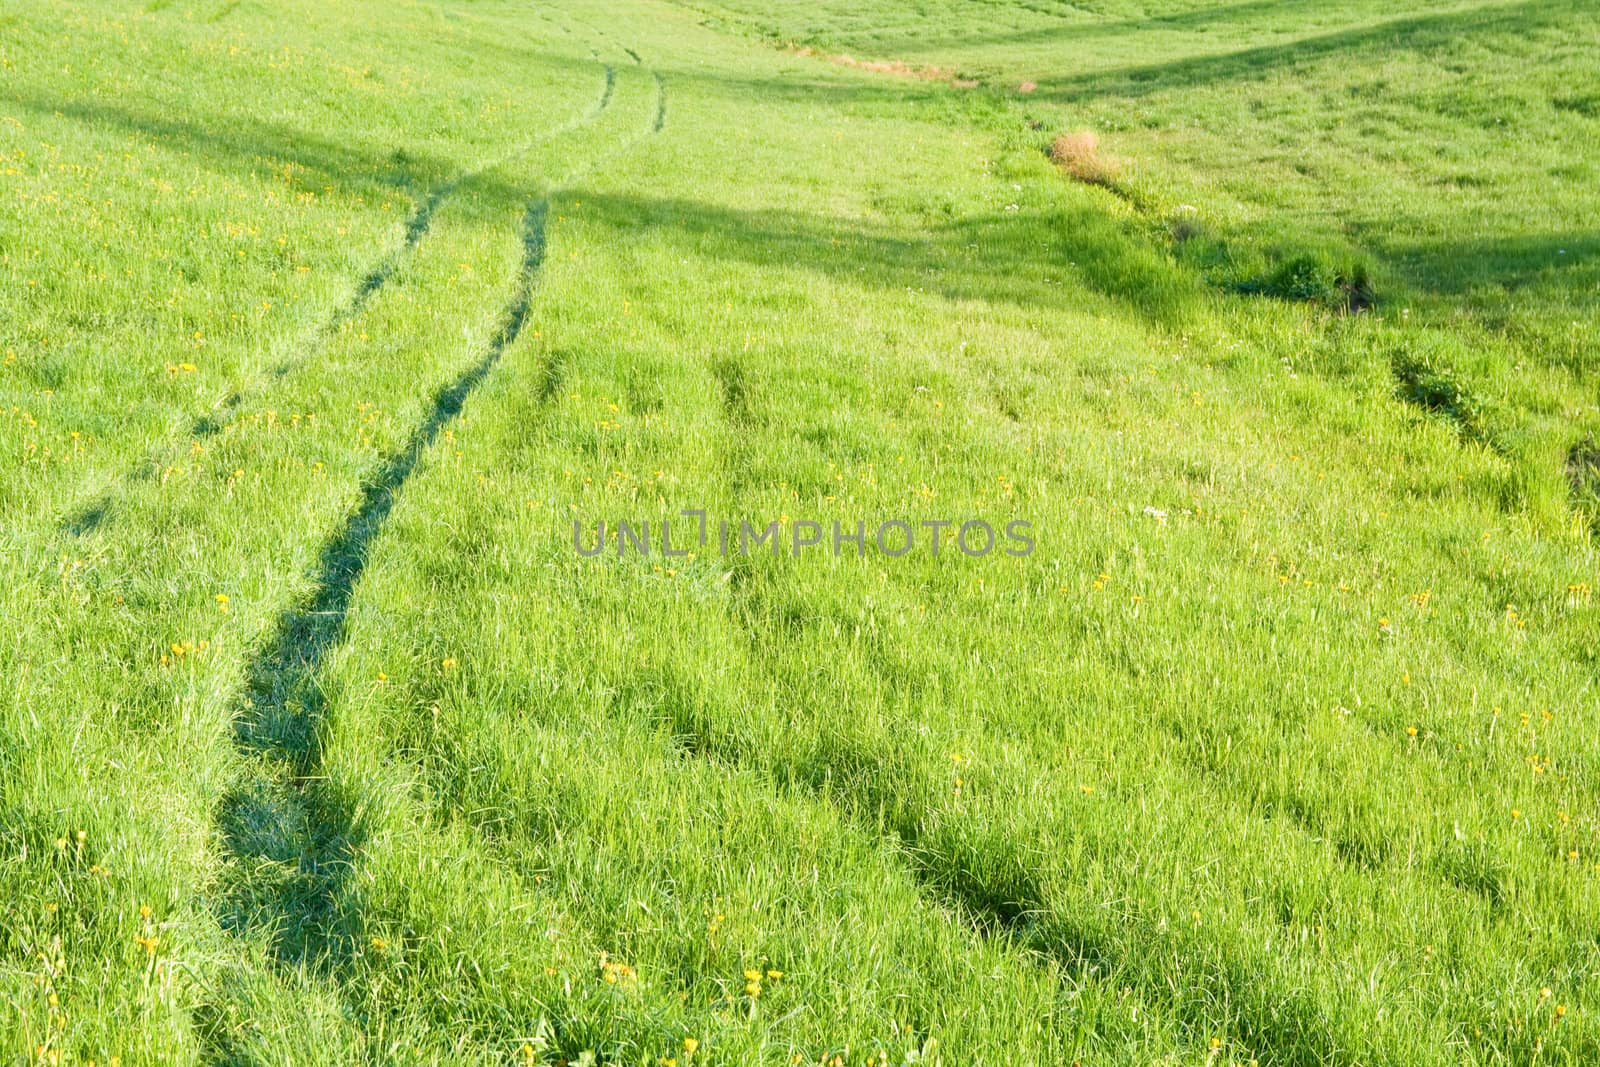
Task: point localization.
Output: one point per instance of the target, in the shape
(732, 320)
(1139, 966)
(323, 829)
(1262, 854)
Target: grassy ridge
(1274, 750)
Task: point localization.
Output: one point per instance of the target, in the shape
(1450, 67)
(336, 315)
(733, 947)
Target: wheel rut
(292, 837)
(996, 890)
(92, 515)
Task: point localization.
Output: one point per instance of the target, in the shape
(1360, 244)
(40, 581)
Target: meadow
(325, 328)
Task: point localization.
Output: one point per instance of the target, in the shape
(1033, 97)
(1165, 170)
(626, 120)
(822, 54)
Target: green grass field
(326, 326)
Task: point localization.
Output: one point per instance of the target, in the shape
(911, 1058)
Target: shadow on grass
(1432, 31)
(236, 143)
(1568, 263)
(990, 878)
(1236, 17)
(1042, 258)
(241, 144)
(1197, 64)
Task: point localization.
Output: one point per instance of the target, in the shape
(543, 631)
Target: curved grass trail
(293, 842)
(153, 591)
(90, 516)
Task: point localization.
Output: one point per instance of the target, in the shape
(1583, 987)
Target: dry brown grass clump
(893, 67)
(1078, 155)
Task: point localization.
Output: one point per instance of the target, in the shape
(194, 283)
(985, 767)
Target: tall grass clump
(1583, 473)
(1078, 156)
(1426, 382)
(1341, 283)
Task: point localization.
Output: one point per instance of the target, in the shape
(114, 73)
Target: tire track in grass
(91, 516)
(661, 106)
(996, 892)
(291, 835)
(291, 838)
(281, 817)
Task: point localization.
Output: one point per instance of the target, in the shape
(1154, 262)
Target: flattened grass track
(297, 842)
(88, 518)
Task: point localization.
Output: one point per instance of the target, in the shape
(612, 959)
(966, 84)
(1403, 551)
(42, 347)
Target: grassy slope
(1302, 770)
